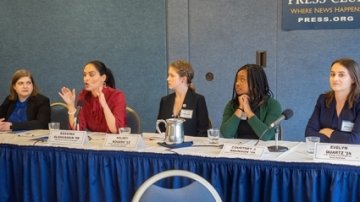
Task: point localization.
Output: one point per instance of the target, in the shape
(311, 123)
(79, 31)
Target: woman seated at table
(252, 109)
(100, 107)
(336, 117)
(184, 102)
(25, 108)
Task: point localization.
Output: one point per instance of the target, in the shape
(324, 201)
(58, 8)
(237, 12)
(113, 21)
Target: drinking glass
(310, 143)
(125, 130)
(213, 135)
(54, 126)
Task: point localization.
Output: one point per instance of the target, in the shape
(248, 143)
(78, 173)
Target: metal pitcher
(174, 130)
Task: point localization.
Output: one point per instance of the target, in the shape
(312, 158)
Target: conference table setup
(107, 167)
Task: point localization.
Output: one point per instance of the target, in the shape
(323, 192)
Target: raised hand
(68, 96)
(101, 97)
(244, 104)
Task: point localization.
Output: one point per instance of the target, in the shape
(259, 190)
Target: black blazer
(198, 124)
(38, 113)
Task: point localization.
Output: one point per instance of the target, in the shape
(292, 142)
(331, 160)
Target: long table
(49, 173)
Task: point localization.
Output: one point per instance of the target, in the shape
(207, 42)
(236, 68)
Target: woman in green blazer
(252, 108)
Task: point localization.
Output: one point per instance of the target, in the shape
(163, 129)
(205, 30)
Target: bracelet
(72, 113)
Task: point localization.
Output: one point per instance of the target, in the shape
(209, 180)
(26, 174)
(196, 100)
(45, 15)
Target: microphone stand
(77, 124)
(262, 134)
(276, 147)
(77, 118)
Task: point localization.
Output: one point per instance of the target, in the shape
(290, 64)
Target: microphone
(285, 115)
(80, 104)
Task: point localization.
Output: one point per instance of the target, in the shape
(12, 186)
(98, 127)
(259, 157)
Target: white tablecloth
(201, 146)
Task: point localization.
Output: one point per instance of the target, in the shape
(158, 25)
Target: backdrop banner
(320, 14)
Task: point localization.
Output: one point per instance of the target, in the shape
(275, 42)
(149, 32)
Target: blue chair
(198, 190)
(59, 113)
(133, 120)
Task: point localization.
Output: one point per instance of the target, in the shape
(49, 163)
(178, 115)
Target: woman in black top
(184, 102)
(24, 108)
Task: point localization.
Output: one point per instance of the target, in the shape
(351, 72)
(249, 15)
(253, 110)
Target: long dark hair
(102, 69)
(354, 72)
(259, 90)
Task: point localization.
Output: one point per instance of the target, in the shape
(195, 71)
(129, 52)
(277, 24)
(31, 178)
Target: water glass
(54, 126)
(125, 130)
(310, 143)
(213, 135)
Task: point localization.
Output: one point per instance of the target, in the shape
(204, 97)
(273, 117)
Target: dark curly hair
(258, 85)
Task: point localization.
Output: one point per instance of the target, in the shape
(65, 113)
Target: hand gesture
(101, 96)
(68, 96)
(244, 104)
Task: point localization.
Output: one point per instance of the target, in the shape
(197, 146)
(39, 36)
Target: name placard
(115, 141)
(72, 137)
(348, 152)
(241, 151)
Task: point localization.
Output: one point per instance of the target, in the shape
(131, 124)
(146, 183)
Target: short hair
(18, 75)
(102, 69)
(184, 69)
(353, 68)
(259, 90)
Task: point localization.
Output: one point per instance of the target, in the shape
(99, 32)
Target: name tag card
(116, 141)
(240, 151)
(71, 137)
(336, 152)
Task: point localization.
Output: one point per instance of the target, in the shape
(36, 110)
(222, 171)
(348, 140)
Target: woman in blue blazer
(336, 117)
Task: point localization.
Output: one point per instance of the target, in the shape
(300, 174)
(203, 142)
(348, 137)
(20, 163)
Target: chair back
(198, 190)
(133, 120)
(59, 113)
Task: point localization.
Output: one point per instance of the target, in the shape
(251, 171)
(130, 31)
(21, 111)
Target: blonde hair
(184, 69)
(16, 76)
